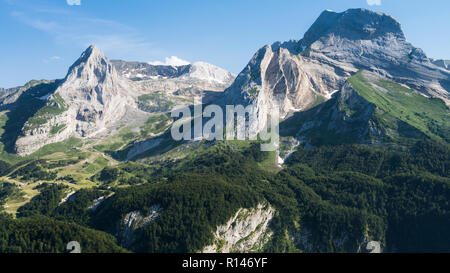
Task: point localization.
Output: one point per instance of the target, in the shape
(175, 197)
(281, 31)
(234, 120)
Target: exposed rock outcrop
(91, 98)
(297, 75)
(68, 198)
(97, 202)
(442, 63)
(135, 220)
(198, 76)
(248, 230)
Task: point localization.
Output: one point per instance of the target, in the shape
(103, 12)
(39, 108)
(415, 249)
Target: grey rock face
(277, 78)
(353, 24)
(347, 115)
(135, 220)
(247, 231)
(9, 96)
(139, 70)
(6, 93)
(90, 99)
(373, 41)
(442, 63)
(199, 76)
(297, 75)
(97, 96)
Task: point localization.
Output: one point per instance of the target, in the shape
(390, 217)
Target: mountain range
(297, 75)
(97, 96)
(362, 167)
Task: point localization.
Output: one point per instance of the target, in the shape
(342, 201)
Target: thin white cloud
(374, 2)
(117, 44)
(47, 26)
(115, 39)
(51, 11)
(52, 59)
(73, 2)
(173, 60)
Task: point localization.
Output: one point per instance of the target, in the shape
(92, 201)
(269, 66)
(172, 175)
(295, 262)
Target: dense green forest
(4, 167)
(48, 200)
(42, 234)
(8, 191)
(193, 205)
(35, 171)
(338, 194)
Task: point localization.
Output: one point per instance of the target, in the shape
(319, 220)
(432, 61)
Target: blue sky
(40, 39)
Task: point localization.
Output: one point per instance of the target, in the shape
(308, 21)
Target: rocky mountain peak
(298, 75)
(210, 73)
(92, 53)
(442, 63)
(353, 24)
(91, 66)
(91, 99)
(198, 76)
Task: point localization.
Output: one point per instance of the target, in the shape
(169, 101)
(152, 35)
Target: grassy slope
(401, 113)
(155, 125)
(84, 161)
(55, 106)
(429, 115)
(85, 164)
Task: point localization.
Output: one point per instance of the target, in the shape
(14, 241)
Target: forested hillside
(44, 235)
(338, 194)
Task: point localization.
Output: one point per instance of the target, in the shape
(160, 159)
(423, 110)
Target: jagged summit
(297, 75)
(92, 65)
(168, 78)
(210, 73)
(91, 99)
(354, 24)
(91, 51)
(360, 37)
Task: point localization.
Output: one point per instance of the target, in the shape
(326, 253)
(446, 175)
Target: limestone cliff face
(248, 230)
(296, 75)
(442, 63)
(91, 98)
(373, 41)
(276, 78)
(134, 220)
